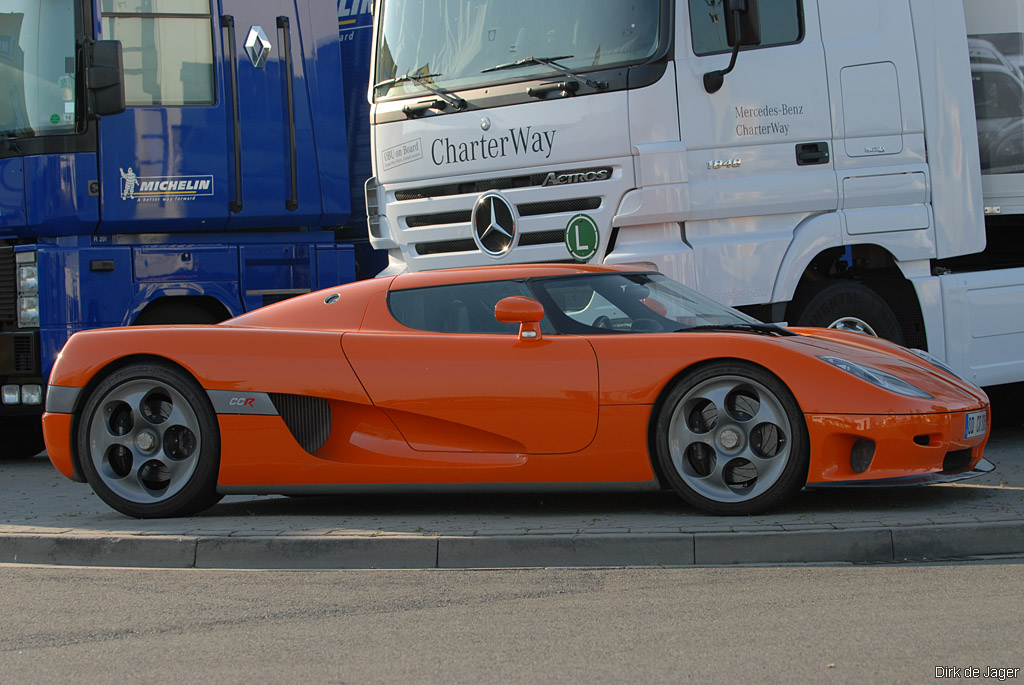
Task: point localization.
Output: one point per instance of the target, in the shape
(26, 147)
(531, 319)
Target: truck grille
(531, 209)
(432, 224)
(8, 288)
(482, 186)
(24, 353)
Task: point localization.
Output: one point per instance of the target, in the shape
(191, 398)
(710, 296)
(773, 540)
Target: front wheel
(730, 439)
(149, 443)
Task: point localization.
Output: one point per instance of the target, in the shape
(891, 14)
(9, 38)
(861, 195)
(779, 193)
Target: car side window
(781, 24)
(459, 308)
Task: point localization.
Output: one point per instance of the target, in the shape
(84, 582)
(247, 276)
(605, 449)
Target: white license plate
(975, 424)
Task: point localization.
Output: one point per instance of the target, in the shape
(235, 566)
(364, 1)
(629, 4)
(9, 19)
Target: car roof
(503, 272)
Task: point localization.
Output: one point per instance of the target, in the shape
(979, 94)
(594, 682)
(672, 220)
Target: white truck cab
(820, 162)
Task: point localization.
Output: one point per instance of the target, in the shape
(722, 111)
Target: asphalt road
(883, 623)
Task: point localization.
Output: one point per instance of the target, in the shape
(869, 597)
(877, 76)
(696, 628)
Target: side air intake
(308, 418)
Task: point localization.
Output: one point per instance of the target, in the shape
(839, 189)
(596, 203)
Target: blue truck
(171, 161)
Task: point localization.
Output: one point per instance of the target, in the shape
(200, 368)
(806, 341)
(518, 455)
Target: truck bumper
(23, 388)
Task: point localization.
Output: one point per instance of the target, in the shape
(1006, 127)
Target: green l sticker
(582, 237)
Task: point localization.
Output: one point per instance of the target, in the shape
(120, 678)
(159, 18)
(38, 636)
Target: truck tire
(850, 306)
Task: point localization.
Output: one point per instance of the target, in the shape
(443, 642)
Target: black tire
(148, 442)
(846, 305)
(23, 437)
(730, 439)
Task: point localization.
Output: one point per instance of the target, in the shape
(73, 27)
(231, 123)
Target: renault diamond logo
(257, 46)
(494, 225)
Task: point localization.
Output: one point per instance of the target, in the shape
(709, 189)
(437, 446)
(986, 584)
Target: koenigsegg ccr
(519, 377)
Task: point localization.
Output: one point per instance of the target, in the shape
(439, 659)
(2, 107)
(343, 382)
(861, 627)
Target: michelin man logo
(160, 188)
(130, 181)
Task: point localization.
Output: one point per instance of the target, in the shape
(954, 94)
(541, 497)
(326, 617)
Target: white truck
(849, 163)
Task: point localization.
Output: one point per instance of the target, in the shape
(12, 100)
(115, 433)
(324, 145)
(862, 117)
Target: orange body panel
(258, 451)
(897, 455)
(57, 434)
(533, 397)
(630, 378)
(224, 358)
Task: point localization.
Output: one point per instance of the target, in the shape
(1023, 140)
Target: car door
(453, 379)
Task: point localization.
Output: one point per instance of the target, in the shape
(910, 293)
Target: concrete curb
(517, 551)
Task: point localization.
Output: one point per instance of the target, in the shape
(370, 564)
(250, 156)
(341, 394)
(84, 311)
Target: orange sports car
(520, 377)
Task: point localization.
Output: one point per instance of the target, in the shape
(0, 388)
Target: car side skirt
(434, 488)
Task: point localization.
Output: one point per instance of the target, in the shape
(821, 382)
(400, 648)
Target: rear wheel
(149, 443)
(849, 306)
(731, 439)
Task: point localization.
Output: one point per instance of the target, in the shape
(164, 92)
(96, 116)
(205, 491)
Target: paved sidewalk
(45, 518)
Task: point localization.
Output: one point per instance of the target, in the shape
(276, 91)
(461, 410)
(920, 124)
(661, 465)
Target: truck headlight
(376, 221)
(28, 311)
(28, 279)
(878, 377)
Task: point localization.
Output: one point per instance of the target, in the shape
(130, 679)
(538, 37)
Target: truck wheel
(23, 437)
(149, 443)
(730, 439)
(849, 306)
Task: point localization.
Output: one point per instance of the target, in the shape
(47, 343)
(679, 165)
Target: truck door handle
(811, 153)
(227, 21)
(292, 203)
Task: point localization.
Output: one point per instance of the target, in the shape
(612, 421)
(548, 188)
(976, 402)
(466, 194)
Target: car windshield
(454, 41)
(632, 303)
(37, 67)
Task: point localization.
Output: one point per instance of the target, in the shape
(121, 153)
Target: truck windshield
(37, 67)
(459, 39)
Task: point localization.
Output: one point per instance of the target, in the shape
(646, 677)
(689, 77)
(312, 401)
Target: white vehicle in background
(828, 173)
(981, 51)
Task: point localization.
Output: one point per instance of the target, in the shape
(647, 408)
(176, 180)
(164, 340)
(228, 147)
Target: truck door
(163, 162)
(759, 151)
(274, 55)
(218, 130)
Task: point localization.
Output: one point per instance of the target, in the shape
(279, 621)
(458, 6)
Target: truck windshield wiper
(766, 328)
(552, 63)
(456, 102)
(9, 142)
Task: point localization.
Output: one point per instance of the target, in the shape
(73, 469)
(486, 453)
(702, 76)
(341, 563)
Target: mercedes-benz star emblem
(494, 225)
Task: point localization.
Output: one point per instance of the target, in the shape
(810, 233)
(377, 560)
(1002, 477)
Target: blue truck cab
(171, 161)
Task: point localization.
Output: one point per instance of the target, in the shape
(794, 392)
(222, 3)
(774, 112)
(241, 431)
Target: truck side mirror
(742, 27)
(742, 22)
(104, 78)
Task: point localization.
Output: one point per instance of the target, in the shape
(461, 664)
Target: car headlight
(878, 377)
(28, 311)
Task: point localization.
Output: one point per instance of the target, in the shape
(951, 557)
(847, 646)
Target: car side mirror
(523, 311)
